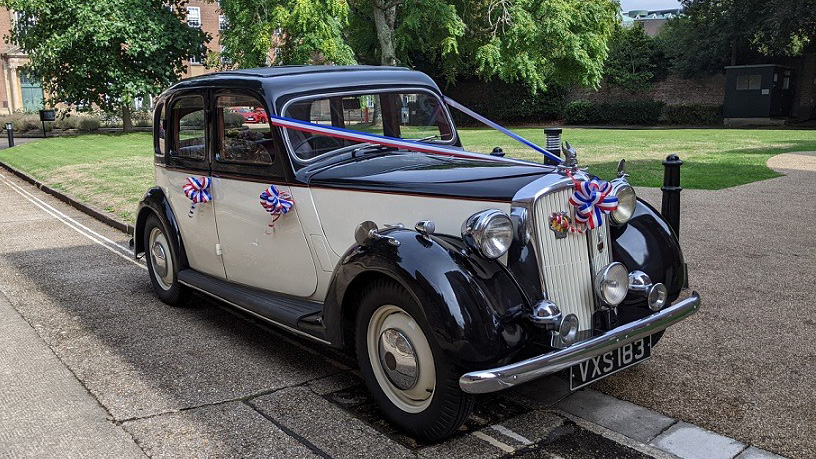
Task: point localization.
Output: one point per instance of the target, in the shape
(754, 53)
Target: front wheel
(405, 371)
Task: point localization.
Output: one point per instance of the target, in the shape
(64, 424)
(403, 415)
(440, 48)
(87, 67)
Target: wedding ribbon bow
(276, 202)
(197, 190)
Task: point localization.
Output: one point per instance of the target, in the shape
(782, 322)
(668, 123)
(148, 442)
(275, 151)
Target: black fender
(470, 303)
(155, 201)
(647, 243)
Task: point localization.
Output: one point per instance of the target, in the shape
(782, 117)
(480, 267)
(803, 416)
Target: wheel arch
(471, 310)
(156, 203)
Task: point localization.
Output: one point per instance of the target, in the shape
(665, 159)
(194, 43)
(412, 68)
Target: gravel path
(745, 365)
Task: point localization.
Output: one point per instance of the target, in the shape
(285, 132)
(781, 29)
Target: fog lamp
(612, 284)
(568, 330)
(657, 296)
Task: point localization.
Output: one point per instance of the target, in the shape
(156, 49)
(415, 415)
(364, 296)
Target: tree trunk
(384, 21)
(127, 122)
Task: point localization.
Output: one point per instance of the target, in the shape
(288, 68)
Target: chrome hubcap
(159, 258)
(398, 358)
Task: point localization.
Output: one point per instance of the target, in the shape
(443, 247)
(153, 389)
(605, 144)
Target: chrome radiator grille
(569, 264)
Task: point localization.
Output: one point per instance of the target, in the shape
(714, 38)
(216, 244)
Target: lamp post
(10, 132)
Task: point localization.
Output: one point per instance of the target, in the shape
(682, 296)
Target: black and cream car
(354, 217)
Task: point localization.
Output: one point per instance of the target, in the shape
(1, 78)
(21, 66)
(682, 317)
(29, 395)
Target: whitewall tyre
(162, 258)
(407, 375)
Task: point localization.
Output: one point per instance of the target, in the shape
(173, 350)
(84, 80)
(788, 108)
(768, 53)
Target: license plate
(600, 367)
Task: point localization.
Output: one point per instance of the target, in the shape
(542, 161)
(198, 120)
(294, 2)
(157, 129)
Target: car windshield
(406, 115)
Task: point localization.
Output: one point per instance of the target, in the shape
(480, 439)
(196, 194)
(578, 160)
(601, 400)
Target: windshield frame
(361, 92)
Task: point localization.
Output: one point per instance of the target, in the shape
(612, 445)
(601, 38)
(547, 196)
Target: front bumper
(485, 381)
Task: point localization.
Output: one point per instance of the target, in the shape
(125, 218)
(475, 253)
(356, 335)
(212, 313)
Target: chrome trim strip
(485, 381)
(265, 319)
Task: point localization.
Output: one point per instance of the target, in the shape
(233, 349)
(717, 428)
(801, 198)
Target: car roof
(280, 83)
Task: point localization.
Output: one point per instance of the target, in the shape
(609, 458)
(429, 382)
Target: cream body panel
(276, 259)
(341, 211)
(198, 233)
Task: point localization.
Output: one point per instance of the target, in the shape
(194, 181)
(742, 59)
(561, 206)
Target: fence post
(553, 137)
(671, 191)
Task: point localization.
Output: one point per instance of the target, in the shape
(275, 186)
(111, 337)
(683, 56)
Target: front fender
(155, 201)
(471, 304)
(648, 243)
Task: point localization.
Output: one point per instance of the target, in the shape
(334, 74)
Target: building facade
(19, 93)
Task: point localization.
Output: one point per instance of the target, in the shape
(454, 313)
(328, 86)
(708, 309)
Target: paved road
(746, 365)
(202, 381)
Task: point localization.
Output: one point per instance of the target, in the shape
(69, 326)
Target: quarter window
(243, 130)
(189, 137)
(160, 124)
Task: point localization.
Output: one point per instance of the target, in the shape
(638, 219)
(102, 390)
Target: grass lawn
(112, 172)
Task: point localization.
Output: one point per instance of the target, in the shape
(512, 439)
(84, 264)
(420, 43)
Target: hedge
(506, 102)
(635, 112)
(693, 115)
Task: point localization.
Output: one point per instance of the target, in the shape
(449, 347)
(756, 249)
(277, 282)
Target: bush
(233, 120)
(67, 121)
(88, 123)
(22, 122)
(142, 118)
(634, 112)
(693, 115)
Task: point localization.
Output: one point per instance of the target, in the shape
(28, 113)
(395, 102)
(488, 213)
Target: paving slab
(691, 442)
(634, 421)
(223, 430)
(44, 410)
(756, 453)
(328, 427)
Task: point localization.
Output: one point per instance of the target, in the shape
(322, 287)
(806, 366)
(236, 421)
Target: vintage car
(354, 217)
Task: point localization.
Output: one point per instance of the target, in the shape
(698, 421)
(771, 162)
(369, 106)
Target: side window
(243, 130)
(160, 130)
(189, 137)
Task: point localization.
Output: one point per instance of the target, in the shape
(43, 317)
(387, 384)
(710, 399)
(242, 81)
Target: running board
(295, 315)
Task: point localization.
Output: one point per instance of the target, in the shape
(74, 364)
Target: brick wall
(209, 24)
(672, 91)
(5, 27)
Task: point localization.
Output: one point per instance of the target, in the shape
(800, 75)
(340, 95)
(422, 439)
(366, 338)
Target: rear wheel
(405, 371)
(162, 262)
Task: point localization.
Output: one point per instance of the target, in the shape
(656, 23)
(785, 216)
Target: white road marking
(493, 441)
(509, 433)
(105, 242)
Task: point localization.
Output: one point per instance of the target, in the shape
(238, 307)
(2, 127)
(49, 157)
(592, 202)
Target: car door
(257, 250)
(188, 156)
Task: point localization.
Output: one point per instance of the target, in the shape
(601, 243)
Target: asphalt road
(203, 381)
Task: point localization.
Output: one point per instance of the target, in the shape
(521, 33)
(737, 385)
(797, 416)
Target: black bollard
(671, 191)
(553, 136)
(10, 132)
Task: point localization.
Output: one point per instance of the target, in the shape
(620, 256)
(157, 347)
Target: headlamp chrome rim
(612, 284)
(476, 228)
(627, 201)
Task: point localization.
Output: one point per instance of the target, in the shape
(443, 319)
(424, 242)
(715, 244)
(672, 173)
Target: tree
(261, 32)
(531, 41)
(105, 52)
(632, 59)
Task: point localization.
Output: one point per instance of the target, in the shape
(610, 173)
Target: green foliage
(88, 123)
(22, 122)
(633, 112)
(693, 115)
(633, 59)
(299, 32)
(233, 120)
(105, 52)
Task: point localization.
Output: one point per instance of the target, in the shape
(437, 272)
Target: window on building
(195, 60)
(189, 139)
(224, 58)
(243, 130)
(749, 82)
(222, 22)
(193, 16)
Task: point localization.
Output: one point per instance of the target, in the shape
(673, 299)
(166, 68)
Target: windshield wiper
(430, 137)
(366, 147)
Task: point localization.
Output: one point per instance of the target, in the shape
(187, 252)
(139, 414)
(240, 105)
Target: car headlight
(489, 233)
(627, 200)
(612, 284)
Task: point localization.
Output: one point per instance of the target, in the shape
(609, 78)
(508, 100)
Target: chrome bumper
(485, 381)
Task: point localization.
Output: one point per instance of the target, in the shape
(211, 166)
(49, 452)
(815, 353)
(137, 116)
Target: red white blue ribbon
(276, 202)
(197, 190)
(592, 199)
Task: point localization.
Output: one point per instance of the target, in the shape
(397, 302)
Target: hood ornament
(570, 156)
(622, 169)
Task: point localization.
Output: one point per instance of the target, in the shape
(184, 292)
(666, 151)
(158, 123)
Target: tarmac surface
(203, 381)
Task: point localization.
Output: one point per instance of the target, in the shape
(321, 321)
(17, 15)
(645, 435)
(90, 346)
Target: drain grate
(488, 410)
